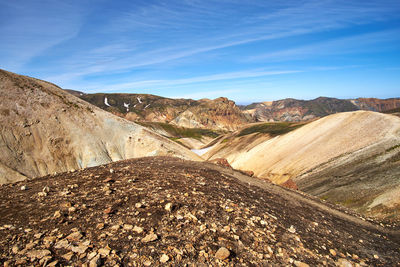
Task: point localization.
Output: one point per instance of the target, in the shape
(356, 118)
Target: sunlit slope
(45, 130)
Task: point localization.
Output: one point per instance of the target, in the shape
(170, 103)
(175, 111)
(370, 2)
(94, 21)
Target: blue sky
(245, 50)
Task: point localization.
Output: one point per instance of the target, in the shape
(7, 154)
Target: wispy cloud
(158, 44)
(353, 44)
(28, 28)
(194, 80)
(156, 48)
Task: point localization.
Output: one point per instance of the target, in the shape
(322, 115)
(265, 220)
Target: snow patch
(201, 151)
(126, 106)
(146, 106)
(139, 100)
(106, 102)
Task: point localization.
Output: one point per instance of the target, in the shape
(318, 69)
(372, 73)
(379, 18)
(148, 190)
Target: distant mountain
(44, 129)
(217, 114)
(302, 110)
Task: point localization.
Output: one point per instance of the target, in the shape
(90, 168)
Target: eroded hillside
(349, 158)
(154, 211)
(217, 114)
(46, 130)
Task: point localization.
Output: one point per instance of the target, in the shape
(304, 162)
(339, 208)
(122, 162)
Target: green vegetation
(181, 132)
(395, 110)
(271, 128)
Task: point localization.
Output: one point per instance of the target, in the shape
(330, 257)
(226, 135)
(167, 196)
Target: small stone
(82, 247)
(138, 229)
(76, 236)
(344, 263)
(38, 254)
(68, 256)
(222, 253)
(115, 227)
(179, 217)
(168, 207)
(149, 238)
(108, 210)
(72, 209)
(62, 244)
(38, 235)
(147, 263)
(164, 258)
(376, 256)
(333, 252)
(300, 264)
(100, 226)
(111, 171)
(24, 187)
(104, 252)
(128, 227)
(138, 205)
(96, 261)
(109, 180)
(57, 214)
(52, 264)
(354, 257)
(30, 246)
(15, 249)
(292, 229)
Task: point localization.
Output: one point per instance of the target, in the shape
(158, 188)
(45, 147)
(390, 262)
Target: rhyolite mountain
(44, 129)
(302, 110)
(224, 114)
(352, 158)
(217, 114)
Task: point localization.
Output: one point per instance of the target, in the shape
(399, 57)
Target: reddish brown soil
(211, 207)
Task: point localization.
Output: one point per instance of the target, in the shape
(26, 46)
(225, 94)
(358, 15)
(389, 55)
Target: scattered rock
(147, 263)
(24, 187)
(290, 184)
(164, 258)
(138, 229)
(108, 210)
(104, 252)
(344, 263)
(292, 229)
(300, 264)
(95, 262)
(57, 214)
(149, 238)
(128, 227)
(38, 254)
(222, 162)
(68, 256)
(168, 207)
(76, 236)
(333, 252)
(222, 253)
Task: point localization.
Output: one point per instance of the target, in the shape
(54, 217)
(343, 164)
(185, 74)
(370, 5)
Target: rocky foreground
(154, 211)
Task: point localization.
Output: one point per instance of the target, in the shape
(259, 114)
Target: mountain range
(224, 114)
